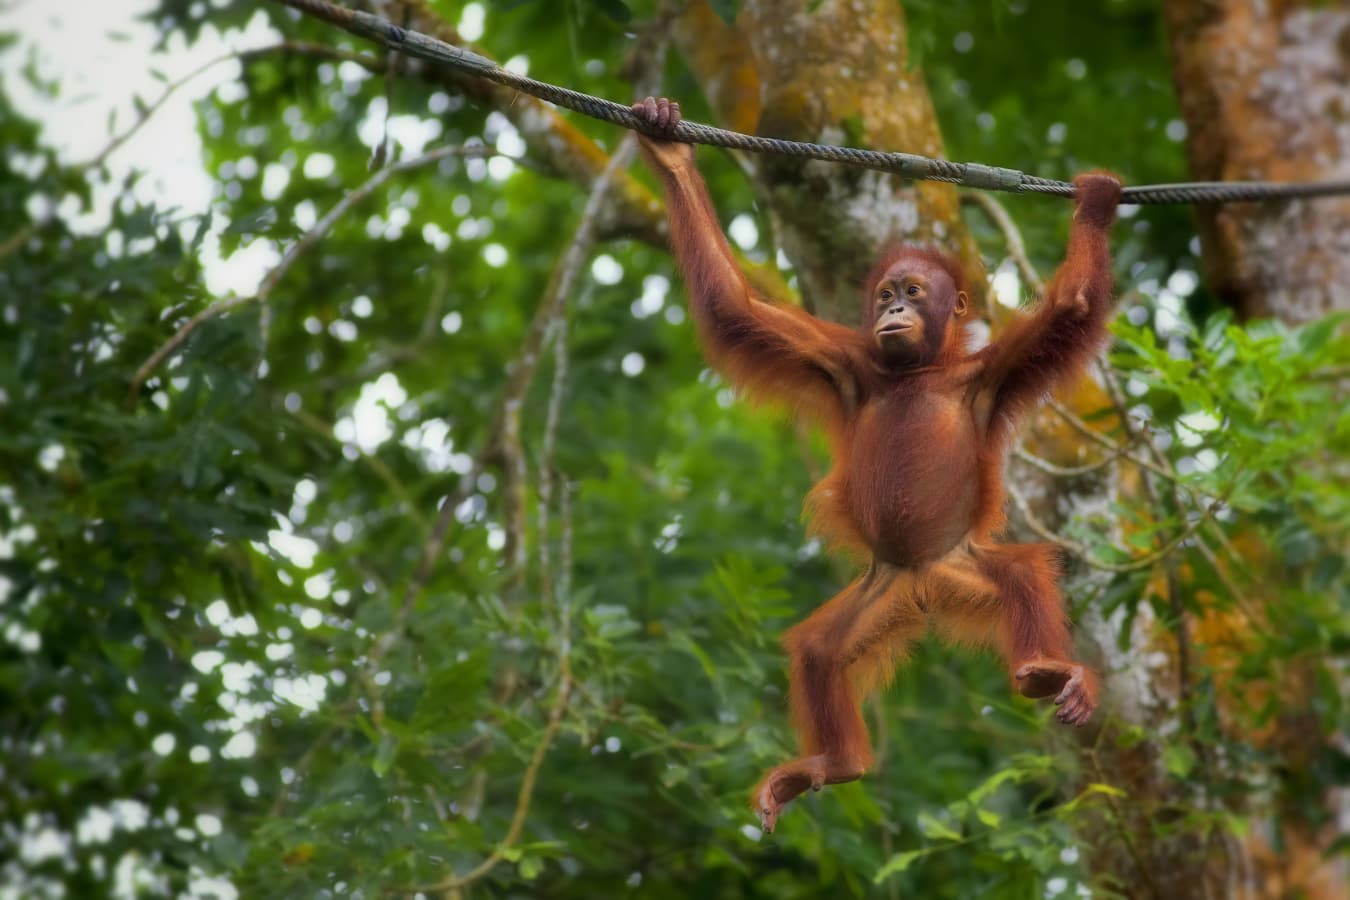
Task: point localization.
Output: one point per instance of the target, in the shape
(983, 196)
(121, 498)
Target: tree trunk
(831, 72)
(1264, 87)
(1265, 91)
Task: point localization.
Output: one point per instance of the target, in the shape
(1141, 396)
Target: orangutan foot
(1074, 687)
(779, 786)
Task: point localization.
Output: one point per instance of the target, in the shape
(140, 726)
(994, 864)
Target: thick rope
(919, 168)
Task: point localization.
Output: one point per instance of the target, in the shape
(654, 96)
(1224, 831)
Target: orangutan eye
(913, 290)
(886, 295)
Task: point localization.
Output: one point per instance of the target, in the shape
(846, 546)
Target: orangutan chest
(910, 472)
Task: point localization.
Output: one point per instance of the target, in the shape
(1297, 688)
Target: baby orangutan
(918, 426)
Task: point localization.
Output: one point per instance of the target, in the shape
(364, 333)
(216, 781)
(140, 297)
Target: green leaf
(259, 221)
(992, 783)
(1179, 759)
(931, 827)
(673, 775)
(529, 867)
(686, 643)
(385, 753)
(897, 864)
(1315, 335)
(1238, 824)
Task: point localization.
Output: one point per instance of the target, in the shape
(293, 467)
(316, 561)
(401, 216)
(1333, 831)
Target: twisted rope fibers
(909, 165)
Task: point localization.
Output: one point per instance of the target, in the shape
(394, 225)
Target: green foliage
(218, 656)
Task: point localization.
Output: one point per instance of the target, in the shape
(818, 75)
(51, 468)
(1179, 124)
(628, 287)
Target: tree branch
(298, 249)
(144, 114)
(549, 478)
(1079, 550)
(1012, 237)
(504, 430)
(523, 797)
(1038, 462)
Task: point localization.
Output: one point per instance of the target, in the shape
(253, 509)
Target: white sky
(100, 52)
(99, 73)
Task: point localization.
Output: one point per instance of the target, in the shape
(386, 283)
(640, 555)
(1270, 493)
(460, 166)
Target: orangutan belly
(913, 487)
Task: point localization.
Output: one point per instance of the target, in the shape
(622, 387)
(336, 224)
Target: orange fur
(917, 478)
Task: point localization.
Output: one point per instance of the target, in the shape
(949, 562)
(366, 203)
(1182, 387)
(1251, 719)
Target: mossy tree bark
(1265, 92)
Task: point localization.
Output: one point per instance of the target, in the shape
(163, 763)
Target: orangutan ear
(962, 304)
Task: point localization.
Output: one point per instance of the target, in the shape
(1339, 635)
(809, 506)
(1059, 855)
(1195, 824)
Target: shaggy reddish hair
(928, 254)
